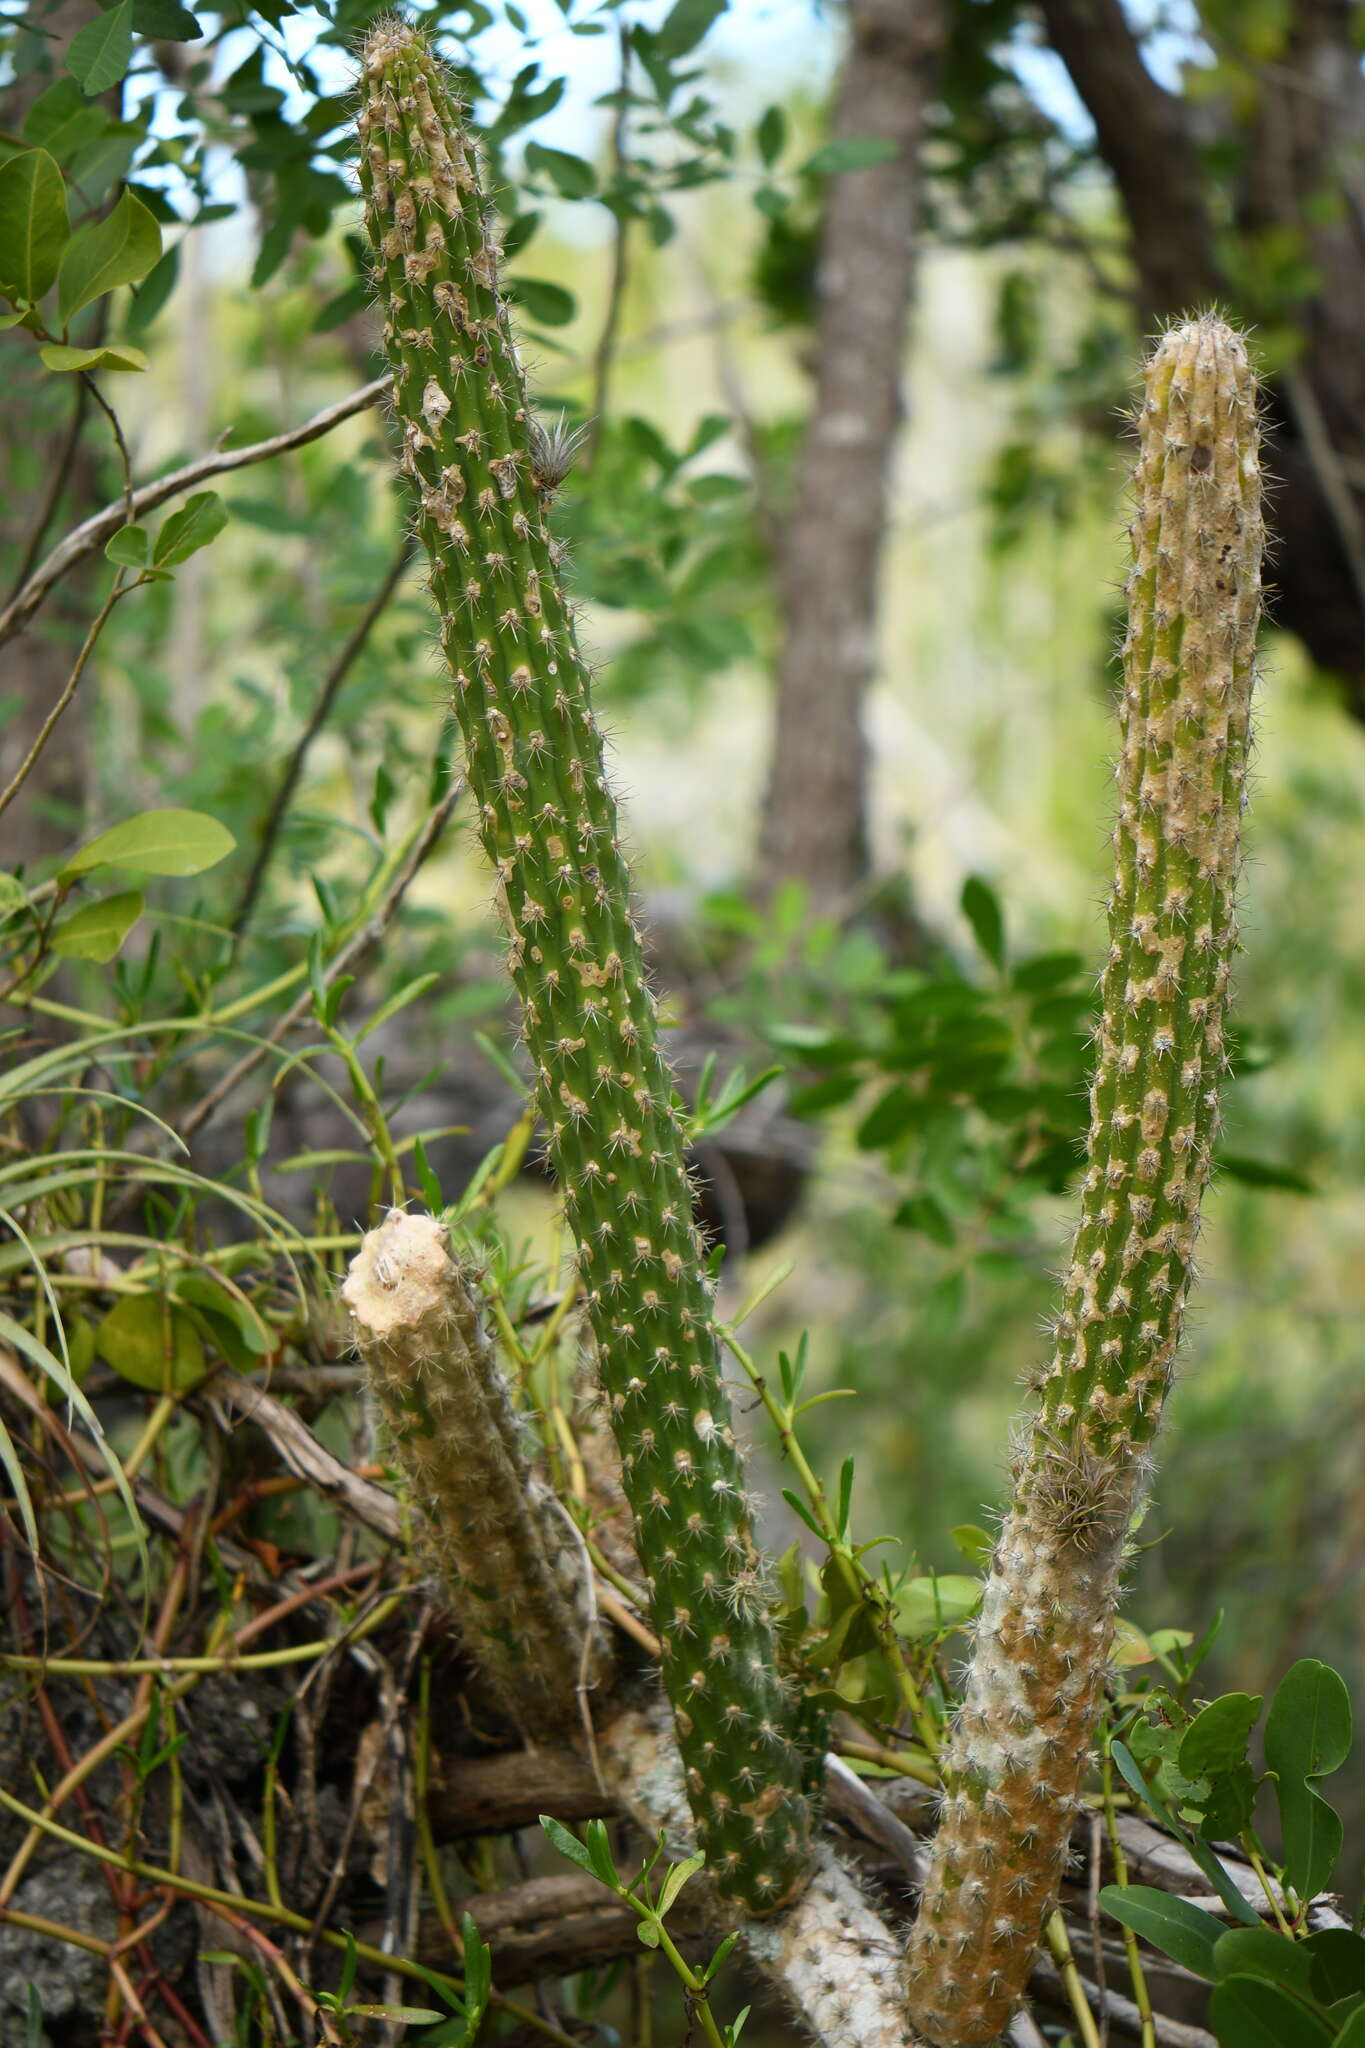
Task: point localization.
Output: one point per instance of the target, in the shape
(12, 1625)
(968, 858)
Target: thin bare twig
(1330, 473)
(356, 947)
(125, 459)
(289, 781)
(48, 726)
(61, 469)
(92, 533)
(605, 352)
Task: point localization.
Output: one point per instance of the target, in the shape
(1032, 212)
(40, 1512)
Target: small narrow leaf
(771, 135)
(1184, 1932)
(850, 153)
(396, 1002)
(981, 908)
(567, 1844)
(675, 1880)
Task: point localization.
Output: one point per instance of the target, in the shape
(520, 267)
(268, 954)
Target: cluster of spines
(482, 475)
(509, 1559)
(1019, 1747)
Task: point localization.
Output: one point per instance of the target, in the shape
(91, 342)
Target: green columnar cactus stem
(1020, 1742)
(483, 473)
(502, 1546)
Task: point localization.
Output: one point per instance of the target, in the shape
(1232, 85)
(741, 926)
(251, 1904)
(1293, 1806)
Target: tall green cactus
(1019, 1747)
(508, 1558)
(483, 473)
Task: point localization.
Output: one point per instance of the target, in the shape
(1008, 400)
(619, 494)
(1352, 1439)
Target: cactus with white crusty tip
(483, 473)
(1019, 1747)
(506, 1553)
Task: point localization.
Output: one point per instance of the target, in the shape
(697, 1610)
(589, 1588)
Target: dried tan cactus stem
(507, 1555)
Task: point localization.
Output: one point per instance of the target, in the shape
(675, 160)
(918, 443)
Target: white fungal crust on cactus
(1018, 1753)
(482, 478)
(506, 1556)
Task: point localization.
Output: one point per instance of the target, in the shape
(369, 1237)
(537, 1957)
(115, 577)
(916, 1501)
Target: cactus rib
(549, 826)
(1019, 1746)
(501, 1545)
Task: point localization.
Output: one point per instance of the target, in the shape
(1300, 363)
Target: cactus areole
(1019, 1747)
(482, 473)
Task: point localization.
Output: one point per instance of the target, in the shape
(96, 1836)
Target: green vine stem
(1020, 1742)
(483, 473)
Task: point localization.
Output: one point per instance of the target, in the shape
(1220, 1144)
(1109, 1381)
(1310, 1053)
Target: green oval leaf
(1307, 1736)
(1247, 2012)
(771, 135)
(199, 520)
(1263, 1173)
(156, 843)
(1260, 1952)
(923, 1606)
(13, 894)
(1216, 1739)
(1185, 1933)
(97, 930)
(548, 303)
(62, 120)
(571, 176)
(149, 1346)
(58, 355)
(1338, 1959)
(101, 52)
(130, 547)
(166, 21)
(117, 250)
(981, 908)
(849, 153)
(33, 224)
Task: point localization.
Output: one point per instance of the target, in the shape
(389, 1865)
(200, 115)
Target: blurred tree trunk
(1295, 258)
(48, 461)
(814, 826)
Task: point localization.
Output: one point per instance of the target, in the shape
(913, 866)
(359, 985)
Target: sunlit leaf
(156, 843)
